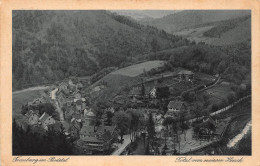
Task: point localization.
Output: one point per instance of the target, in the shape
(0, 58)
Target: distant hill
(52, 45)
(190, 18)
(144, 14)
(220, 33)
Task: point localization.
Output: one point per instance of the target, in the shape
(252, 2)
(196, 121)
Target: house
(174, 108)
(89, 116)
(97, 139)
(153, 92)
(63, 86)
(46, 120)
(75, 127)
(33, 117)
(56, 127)
(135, 92)
(53, 93)
(61, 97)
(69, 112)
(186, 75)
(206, 129)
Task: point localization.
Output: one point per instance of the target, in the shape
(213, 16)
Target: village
(164, 115)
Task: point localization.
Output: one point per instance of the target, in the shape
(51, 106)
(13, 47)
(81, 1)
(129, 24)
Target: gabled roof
(44, 117)
(76, 125)
(175, 104)
(210, 120)
(186, 72)
(29, 113)
(91, 114)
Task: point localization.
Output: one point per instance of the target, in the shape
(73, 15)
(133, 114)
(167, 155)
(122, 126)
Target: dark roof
(210, 120)
(186, 72)
(55, 127)
(76, 125)
(175, 104)
(107, 136)
(79, 102)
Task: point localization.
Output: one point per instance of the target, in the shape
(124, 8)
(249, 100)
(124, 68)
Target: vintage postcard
(129, 82)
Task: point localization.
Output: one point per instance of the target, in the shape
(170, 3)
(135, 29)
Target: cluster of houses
(79, 119)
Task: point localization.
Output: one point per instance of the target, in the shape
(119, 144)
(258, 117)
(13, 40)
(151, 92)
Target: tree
(150, 129)
(155, 45)
(134, 123)
(196, 109)
(39, 142)
(167, 121)
(184, 128)
(162, 92)
(122, 121)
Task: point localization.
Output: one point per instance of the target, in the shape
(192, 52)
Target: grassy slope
(137, 69)
(125, 77)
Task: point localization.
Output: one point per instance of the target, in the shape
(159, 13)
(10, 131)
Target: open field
(115, 84)
(137, 69)
(18, 99)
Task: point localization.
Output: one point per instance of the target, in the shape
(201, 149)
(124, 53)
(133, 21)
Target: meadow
(137, 69)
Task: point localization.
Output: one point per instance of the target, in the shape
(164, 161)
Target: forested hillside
(51, 45)
(190, 18)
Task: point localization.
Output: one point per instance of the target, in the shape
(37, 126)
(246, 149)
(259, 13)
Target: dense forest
(51, 45)
(232, 62)
(30, 142)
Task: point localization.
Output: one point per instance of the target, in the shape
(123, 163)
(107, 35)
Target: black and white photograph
(131, 82)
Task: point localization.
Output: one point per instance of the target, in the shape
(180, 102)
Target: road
(122, 147)
(31, 89)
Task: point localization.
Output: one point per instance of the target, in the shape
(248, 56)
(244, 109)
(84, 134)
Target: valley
(116, 83)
